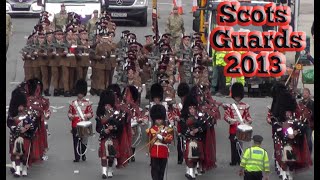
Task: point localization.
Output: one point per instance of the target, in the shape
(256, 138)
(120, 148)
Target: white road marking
(15, 82)
(54, 107)
(76, 171)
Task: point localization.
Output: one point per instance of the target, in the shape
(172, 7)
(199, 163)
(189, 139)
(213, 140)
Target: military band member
(110, 127)
(60, 19)
(160, 135)
(232, 118)
(79, 110)
(193, 128)
(91, 26)
(182, 91)
(19, 141)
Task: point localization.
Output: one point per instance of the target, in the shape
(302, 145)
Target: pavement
(60, 155)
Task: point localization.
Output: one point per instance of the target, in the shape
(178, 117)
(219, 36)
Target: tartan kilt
(201, 150)
(102, 148)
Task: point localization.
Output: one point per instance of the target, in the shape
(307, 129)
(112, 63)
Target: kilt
(102, 148)
(201, 150)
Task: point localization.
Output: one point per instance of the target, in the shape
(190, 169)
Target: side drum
(244, 132)
(84, 129)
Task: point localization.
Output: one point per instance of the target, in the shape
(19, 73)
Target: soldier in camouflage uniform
(91, 26)
(8, 30)
(184, 58)
(175, 26)
(61, 19)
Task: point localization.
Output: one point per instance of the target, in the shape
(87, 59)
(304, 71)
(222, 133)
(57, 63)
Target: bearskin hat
(158, 111)
(32, 86)
(282, 101)
(190, 100)
(134, 93)
(156, 91)
(115, 88)
(183, 89)
(237, 90)
(81, 87)
(18, 98)
(107, 97)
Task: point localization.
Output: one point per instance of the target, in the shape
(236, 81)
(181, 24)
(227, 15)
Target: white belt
(160, 144)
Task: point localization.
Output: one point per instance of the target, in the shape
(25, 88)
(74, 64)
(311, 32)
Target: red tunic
(159, 148)
(230, 112)
(86, 108)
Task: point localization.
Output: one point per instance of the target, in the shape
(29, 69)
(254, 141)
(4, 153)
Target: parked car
(129, 10)
(23, 7)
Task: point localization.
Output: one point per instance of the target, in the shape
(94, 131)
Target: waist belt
(160, 144)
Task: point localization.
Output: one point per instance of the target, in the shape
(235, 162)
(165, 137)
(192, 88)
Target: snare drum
(244, 132)
(84, 129)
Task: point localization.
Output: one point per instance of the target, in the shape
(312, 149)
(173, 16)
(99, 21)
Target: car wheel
(144, 21)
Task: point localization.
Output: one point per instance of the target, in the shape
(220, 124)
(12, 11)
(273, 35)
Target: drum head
(84, 123)
(244, 127)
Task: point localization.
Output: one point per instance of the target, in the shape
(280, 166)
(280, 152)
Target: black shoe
(232, 164)
(76, 160)
(133, 159)
(104, 176)
(12, 170)
(84, 158)
(61, 91)
(16, 175)
(99, 92)
(180, 162)
(67, 94)
(46, 92)
(56, 93)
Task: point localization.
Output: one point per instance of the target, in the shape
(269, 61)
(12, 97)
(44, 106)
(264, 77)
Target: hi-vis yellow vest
(255, 159)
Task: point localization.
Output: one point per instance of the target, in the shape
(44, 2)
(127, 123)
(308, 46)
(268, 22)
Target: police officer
(175, 26)
(60, 19)
(255, 161)
(8, 30)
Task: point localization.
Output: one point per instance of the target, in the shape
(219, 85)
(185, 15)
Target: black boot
(84, 158)
(56, 93)
(61, 92)
(67, 94)
(133, 159)
(46, 92)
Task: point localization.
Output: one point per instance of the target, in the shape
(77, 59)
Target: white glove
(159, 137)
(103, 57)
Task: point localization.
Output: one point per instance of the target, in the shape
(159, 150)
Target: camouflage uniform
(91, 27)
(175, 26)
(8, 29)
(60, 20)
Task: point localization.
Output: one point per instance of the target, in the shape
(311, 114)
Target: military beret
(131, 34)
(125, 32)
(198, 67)
(197, 34)
(83, 31)
(257, 138)
(49, 32)
(197, 46)
(111, 33)
(131, 66)
(166, 35)
(58, 31)
(186, 36)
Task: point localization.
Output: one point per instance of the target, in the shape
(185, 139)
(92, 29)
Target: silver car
(23, 7)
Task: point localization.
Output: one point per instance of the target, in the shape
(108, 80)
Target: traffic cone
(178, 3)
(194, 5)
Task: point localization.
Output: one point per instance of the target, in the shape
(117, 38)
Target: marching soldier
(91, 26)
(231, 116)
(160, 135)
(43, 60)
(94, 78)
(103, 53)
(60, 19)
(56, 63)
(175, 26)
(79, 110)
(69, 63)
(113, 57)
(184, 58)
(8, 30)
(82, 56)
(27, 57)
